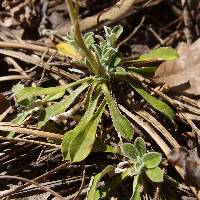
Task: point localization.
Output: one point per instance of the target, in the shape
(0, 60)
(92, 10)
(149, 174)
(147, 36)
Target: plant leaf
(160, 54)
(82, 144)
(161, 106)
(61, 106)
(144, 71)
(68, 50)
(130, 151)
(120, 122)
(37, 91)
(137, 184)
(79, 128)
(96, 181)
(152, 159)
(155, 174)
(140, 145)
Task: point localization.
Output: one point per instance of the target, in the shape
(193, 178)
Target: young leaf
(82, 144)
(152, 159)
(155, 174)
(120, 122)
(79, 128)
(37, 91)
(137, 184)
(96, 180)
(160, 54)
(156, 103)
(140, 145)
(130, 151)
(68, 50)
(61, 106)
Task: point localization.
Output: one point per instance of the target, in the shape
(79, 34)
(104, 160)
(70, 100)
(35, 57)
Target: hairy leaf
(152, 159)
(96, 181)
(61, 106)
(161, 106)
(130, 151)
(155, 174)
(140, 145)
(82, 144)
(79, 128)
(120, 122)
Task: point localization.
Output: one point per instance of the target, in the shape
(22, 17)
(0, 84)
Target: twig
(34, 183)
(4, 114)
(26, 58)
(113, 13)
(13, 77)
(82, 184)
(32, 47)
(133, 32)
(29, 131)
(16, 66)
(29, 141)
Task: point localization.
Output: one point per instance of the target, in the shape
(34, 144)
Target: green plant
(104, 62)
(138, 162)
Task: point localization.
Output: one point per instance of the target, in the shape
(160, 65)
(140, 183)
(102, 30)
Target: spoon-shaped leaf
(152, 159)
(79, 128)
(140, 145)
(130, 151)
(120, 122)
(155, 174)
(82, 144)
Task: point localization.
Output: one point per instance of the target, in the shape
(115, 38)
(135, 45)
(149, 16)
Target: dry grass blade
(29, 131)
(47, 174)
(34, 183)
(148, 129)
(29, 59)
(13, 77)
(28, 141)
(27, 46)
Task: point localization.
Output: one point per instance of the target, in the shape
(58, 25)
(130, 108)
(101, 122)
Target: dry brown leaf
(183, 74)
